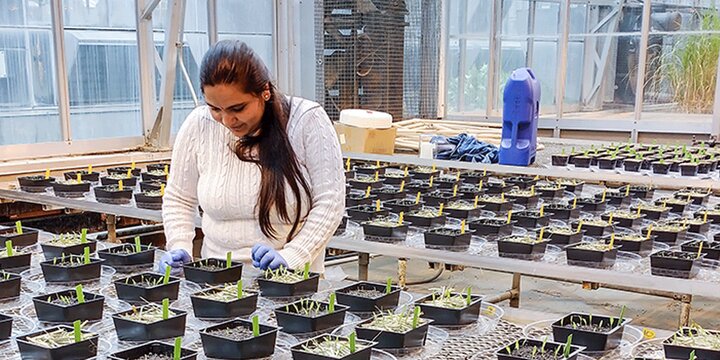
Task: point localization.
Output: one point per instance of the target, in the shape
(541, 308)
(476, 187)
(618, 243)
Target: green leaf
(352, 339)
(18, 227)
(239, 289)
(568, 347)
(388, 285)
(416, 317)
(331, 304)
(622, 313)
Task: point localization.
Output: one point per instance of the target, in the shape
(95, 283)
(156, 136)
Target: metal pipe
(61, 78)
(146, 68)
(515, 290)
(640, 84)
(212, 21)
(148, 10)
(186, 76)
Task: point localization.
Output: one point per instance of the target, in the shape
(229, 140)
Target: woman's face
(239, 111)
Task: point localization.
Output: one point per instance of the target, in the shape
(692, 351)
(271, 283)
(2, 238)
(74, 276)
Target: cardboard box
(363, 140)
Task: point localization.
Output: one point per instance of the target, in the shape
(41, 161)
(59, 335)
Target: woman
(265, 168)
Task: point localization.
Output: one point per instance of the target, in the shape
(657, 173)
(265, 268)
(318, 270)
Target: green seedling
(568, 346)
(9, 248)
(352, 339)
(692, 355)
(255, 326)
(468, 296)
(239, 289)
(79, 294)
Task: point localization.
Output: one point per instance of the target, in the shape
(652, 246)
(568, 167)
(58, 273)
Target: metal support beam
(715, 131)
(363, 264)
(160, 134)
(61, 79)
(110, 221)
(515, 290)
(562, 50)
(442, 61)
(640, 84)
(212, 21)
(148, 9)
(462, 57)
(146, 69)
(685, 307)
(530, 48)
(402, 272)
(494, 46)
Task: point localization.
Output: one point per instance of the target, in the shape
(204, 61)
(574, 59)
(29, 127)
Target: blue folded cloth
(464, 147)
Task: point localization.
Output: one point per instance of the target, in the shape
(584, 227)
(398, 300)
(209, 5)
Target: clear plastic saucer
(434, 341)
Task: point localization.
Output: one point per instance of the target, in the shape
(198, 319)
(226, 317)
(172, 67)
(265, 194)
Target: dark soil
(496, 222)
(675, 255)
(154, 357)
(445, 231)
(147, 282)
(526, 352)
(237, 333)
(365, 293)
(64, 301)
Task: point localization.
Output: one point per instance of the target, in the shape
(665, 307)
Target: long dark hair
(232, 62)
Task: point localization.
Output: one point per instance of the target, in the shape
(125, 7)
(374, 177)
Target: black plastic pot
(559, 160)
(469, 192)
(29, 237)
(204, 308)
(150, 185)
(52, 251)
(298, 353)
(622, 222)
(413, 338)
(591, 258)
(34, 184)
(152, 348)
(424, 175)
(641, 247)
(91, 309)
(136, 294)
(84, 349)
(667, 237)
(697, 199)
(550, 347)
(577, 187)
(144, 201)
(582, 161)
(269, 288)
(395, 180)
(616, 199)
(710, 249)
(85, 272)
(145, 257)
(385, 194)
(632, 165)
(419, 186)
(157, 167)
(450, 317)
(687, 169)
(530, 219)
(594, 230)
(365, 212)
(563, 239)
(495, 187)
(519, 250)
(16, 263)
(420, 221)
(652, 214)
(434, 238)
(122, 170)
(496, 206)
(193, 272)
(260, 346)
(294, 323)
(363, 185)
(436, 198)
(641, 191)
(677, 208)
(146, 176)
(446, 182)
(10, 287)
(685, 268)
(5, 327)
(402, 205)
(371, 169)
(527, 201)
(71, 190)
(591, 205)
(474, 177)
(103, 194)
(342, 227)
(550, 193)
(353, 200)
(365, 305)
(607, 163)
(591, 340)
(683, 352)
(92, 177)
(395, 233)
(488, 226)
(660, 168)
(713, 218)
(129, 182)
(128, 330)
(695, 228)
(463, 213)
(562, 212)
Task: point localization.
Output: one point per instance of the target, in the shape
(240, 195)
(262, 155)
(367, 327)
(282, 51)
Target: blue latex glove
(175, 259)
(265, 257)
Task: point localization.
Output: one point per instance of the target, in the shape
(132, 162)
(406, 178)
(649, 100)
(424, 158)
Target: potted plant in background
(239, 339)
(332, 347)
(365, 297)
(224, 302)
(447, 307)
(401, 330)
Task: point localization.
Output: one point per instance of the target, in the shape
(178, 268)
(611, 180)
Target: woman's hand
(175, 259)
(265, 257)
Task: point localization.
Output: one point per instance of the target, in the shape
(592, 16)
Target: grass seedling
(79, 294)
(331, 303)
(86, 255)
(542, 348)
(18, 227)
(165, 309)
(255, 326)
(228, 259)
(692, 355)
(177, 349)
(166, 277)
(77, 331)
(622, 314)
(138, 245)
(568, 347)
(388, 285)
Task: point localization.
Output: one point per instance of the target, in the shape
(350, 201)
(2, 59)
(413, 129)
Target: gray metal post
(146, 68)
(715, 130)
(56, 12)
(561, 75)
(640, 84)
(212, 21)
(494, 46)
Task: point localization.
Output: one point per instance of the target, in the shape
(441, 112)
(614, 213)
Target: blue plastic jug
(521, 105)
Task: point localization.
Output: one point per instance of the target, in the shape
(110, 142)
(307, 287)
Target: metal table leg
(111, 228)
(363, 264)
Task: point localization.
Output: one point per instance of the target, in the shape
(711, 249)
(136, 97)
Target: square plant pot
(127, 181)
(366, 297)
(592, 204)
(592, 340)
(9, 285)
(607, 163)
(552, 192)
(591, 258)
(710, 249)
(559, 160)
(363, 185)
(76, 190)
(84, 349)
(582, 162)
(462, 213)
(213, 271)
(370, 170)
(435, 198)
(207, 308)
(150, 349)
(292, 322)
(447, 238)
(529, 201)
(677, 207)
(594, 229)
(521, 250)
(415, 219)
(495, 187)
(122, 170)
(442, 316)
(366, 212)
(158, 167)
(155, 175)
(526, 348)
(395, 233)
(28, 237)
(688, 169)
(676, 264)
(492, 226)
(358, 199)
(147, 287)
(34, 184)
(270, 288)
(5, 327)
(51, 251)
(403, 205)
(523, 182)
(229, 340)
(573, 186)
(446, 182)
(385, 193)
(50, 308)
(652, 213)
(530, 219)
(563, 238)
(19, 262)
(92, 177)
(111, 195)
(151, 185)
(425, 175)
(660, 168)
(144, 200)
(56, 273)
(676, 351)
(503, 206)
(643, 247)
(126, 256)
(562, 211)
(131, 330)
(395, 178)
(626, 222)
(667, 236)
(413, 338)
(301, 351)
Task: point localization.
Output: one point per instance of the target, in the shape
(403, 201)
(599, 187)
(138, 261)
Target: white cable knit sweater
(205, 171)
